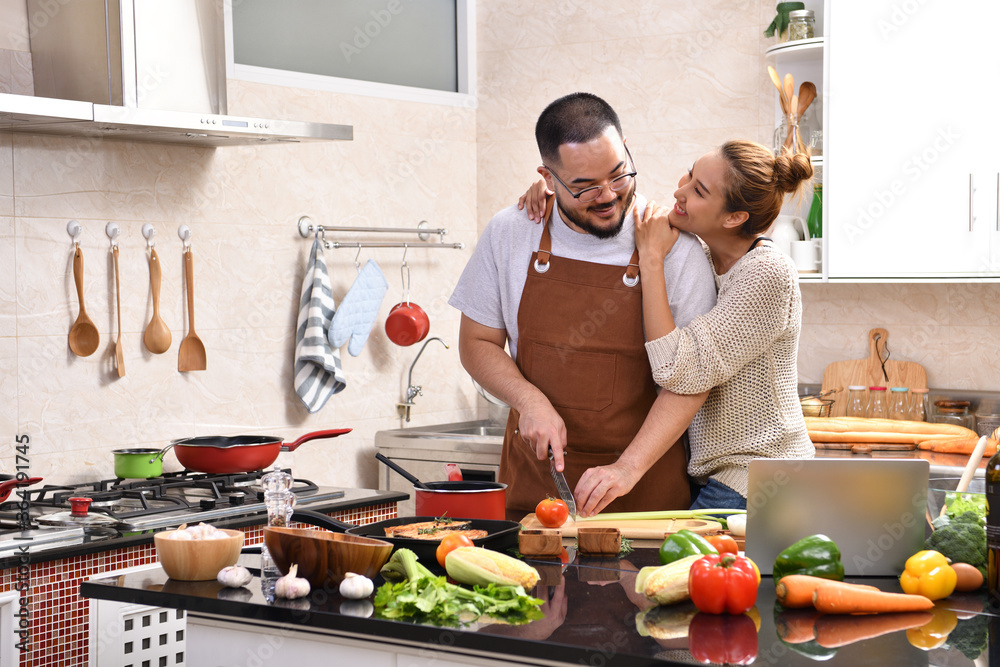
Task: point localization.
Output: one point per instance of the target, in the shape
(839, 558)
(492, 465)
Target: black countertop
(592, 616)
(43, 545)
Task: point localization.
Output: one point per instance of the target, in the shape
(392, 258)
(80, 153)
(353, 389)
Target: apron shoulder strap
(545, 245)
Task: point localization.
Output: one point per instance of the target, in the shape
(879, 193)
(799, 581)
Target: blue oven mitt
(356, 315)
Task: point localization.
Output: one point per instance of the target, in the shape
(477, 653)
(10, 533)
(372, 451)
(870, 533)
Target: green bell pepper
(816, 555)
(684, 543)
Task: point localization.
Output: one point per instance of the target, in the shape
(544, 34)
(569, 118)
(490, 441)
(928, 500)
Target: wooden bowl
(324, 557)
(197, 560)
(601, 541)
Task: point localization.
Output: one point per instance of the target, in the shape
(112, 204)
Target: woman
(743, 350)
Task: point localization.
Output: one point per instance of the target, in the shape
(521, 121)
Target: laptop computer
(874, 509)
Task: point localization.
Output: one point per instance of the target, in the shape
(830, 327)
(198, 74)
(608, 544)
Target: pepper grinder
(280, 503)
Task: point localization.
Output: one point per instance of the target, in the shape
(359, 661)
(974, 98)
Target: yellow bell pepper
(935, 633)
(928, 573)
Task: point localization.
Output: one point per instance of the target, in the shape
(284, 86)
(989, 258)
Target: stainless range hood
(140, 70)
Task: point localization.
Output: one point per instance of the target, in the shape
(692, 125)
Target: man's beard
(600, 232)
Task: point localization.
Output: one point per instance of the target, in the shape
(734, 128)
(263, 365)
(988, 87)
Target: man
(566, 299)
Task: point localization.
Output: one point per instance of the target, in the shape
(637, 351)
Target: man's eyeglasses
(593, 192)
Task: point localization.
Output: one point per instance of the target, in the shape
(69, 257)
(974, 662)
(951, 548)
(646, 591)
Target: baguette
(957, 446)
(870, 425)
(876, 436)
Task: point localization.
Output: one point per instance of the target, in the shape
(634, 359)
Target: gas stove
(146, 504)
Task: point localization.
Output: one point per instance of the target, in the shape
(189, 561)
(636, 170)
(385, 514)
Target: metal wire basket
(816, 407)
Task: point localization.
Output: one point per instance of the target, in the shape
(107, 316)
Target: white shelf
(797, 51)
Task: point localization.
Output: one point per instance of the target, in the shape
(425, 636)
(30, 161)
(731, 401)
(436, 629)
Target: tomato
(451, 543)
(723, 543)
(552, 512)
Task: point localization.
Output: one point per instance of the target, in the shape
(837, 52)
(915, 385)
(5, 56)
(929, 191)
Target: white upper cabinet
(913, 155)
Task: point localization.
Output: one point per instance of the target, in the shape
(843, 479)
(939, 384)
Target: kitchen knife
(562, 486)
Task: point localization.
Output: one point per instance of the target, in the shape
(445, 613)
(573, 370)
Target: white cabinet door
(911, 134)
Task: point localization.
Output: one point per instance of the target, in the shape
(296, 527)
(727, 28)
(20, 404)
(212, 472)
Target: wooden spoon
(119, 348)
(781, 90)
(191, 356)
(807, 93)
(789, 89)
(157, 336)
(83, 336)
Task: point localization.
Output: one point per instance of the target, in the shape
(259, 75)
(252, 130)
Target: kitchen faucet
(412, 390)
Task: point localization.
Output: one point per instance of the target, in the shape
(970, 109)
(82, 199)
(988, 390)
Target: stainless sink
(489, 430)
(474, 446)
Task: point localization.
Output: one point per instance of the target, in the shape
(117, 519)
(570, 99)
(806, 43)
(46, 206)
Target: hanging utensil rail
(307, 228)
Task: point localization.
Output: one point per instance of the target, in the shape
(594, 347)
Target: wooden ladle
(83, 336)
(191, 356)
(157, 336)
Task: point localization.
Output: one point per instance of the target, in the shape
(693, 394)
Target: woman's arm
(534, 200)
(655, 238)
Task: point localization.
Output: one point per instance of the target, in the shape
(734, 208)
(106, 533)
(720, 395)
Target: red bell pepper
(723, 583)
(723, 639)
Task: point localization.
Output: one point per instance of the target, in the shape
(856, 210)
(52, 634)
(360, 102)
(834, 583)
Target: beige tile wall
(408, 162)
(684, 76)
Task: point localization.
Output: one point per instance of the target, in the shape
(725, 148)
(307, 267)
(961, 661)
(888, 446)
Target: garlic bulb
(359, 608)
(356, 586)
(234, 576)
(291, 587)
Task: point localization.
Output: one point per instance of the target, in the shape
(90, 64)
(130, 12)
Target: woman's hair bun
(791, 169)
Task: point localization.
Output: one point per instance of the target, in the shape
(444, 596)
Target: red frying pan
(225, 455)
(8, 485)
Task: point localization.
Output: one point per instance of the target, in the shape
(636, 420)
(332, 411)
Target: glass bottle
(856, 404)
(814, 221)
(918, 404)
(877, 407)
(898, 407)
(993, 527)
(280, 503)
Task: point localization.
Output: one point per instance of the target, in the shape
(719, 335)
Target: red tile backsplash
(59, 617)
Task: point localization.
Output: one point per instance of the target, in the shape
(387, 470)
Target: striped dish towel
(318, 373)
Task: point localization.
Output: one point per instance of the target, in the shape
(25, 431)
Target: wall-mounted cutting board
(635, 529)
(875, 371)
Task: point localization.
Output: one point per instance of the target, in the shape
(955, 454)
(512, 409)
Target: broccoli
(970, 636)
(962, 539)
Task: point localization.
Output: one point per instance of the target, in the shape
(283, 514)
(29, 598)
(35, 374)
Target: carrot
(796, 626)
(837, 631)
(795, 591)
(842, 598)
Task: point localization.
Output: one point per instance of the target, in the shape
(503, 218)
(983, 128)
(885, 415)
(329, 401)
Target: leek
(659, 515)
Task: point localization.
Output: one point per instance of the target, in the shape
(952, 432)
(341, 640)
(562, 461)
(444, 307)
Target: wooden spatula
(191, 356)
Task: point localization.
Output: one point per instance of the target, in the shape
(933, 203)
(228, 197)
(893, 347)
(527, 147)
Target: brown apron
(580, 341)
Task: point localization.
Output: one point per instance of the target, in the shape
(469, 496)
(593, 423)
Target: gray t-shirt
(489, 291)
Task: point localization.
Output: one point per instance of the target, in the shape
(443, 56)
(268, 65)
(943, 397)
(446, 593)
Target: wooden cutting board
(869, 372)
(633, 529)
(866, 447)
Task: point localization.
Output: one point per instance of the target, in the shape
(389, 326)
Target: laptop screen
(873, 509)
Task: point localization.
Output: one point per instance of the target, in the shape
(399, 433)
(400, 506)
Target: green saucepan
(138, 463)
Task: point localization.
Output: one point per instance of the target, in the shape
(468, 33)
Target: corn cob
(476, 565)
(668, 583)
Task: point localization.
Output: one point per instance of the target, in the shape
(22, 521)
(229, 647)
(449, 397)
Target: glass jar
(857, 406)
(877, 405)
(987, 417)
(898, 405)
(807, 126)
(918, 404)
(953, 412)
(801, 24)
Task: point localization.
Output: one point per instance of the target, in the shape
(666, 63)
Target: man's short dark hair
(575, 118)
